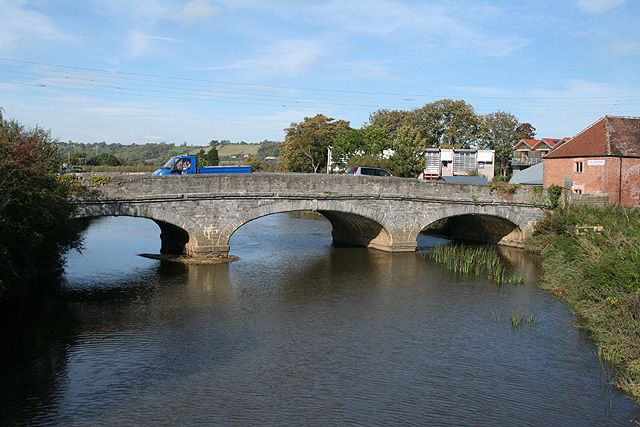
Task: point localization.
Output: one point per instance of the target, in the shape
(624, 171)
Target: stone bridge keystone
(198, 214)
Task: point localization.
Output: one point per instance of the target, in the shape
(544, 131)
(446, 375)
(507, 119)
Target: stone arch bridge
(198, 214)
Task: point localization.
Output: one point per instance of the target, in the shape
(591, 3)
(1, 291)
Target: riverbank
(591, 259)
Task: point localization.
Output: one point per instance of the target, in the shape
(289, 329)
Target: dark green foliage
(104, 159)
(269, 149)
(35, 210)
(554, 192)
(77, 158)
(212, 157)
(373, 161)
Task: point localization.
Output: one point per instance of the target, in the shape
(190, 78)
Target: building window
(464, 161)
(577, 191)
(578, 167)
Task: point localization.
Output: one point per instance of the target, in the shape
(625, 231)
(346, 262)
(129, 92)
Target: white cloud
(20, 25)
(598, 6)
(426, 24)
(140, 43)
(626, 48)
(196, 10)
(287, 57)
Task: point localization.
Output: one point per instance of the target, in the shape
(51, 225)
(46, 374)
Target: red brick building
(603, 159)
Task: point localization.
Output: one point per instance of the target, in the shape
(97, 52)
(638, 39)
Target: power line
(254, 85)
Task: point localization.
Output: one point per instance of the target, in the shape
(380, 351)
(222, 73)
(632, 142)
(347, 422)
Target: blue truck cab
(188, 165)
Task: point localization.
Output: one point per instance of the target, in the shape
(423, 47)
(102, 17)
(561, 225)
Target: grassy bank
(597, 271)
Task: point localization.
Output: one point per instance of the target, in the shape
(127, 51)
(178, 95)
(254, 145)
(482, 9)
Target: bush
(35, 210)
(554, 192)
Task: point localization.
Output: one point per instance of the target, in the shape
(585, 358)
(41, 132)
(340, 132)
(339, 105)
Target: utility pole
(329, 148)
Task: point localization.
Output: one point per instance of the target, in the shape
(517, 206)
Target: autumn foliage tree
(35, 207)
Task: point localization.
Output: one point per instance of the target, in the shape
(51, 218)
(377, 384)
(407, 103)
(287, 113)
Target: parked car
(366, 170)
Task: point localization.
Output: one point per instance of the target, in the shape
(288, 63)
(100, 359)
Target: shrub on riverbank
(598, 273)
(35, 210)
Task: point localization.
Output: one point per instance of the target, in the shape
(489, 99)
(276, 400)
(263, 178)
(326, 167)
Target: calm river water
(298, 332)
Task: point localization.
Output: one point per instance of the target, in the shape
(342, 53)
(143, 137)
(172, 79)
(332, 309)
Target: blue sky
(191, 71)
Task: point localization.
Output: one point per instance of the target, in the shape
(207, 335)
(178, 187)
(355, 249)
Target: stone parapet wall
(309, 185)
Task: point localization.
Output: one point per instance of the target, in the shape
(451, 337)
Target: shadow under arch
(474, 227)
(173, 238)
(347, 228)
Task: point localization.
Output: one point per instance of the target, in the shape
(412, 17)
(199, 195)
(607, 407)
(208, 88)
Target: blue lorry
(188, 165)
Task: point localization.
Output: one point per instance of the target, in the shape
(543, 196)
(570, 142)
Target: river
(298, 332)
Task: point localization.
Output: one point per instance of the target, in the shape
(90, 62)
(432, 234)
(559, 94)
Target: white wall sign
(595, 162)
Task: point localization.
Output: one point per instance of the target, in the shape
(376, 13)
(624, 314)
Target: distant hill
(238, 149)
(157, 154)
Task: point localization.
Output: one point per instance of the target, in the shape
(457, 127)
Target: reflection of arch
(174, 234)
(349, 225)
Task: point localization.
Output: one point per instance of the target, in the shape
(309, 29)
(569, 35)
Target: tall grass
(477, 261)
(598, 273)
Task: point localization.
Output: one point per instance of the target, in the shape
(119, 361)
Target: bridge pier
(206, 251)
(173, 239)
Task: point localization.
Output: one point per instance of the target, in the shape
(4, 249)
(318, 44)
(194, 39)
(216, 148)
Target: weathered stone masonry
(198, 215)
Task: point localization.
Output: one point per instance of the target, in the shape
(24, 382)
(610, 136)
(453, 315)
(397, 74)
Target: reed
(474, 260)
(520, 317)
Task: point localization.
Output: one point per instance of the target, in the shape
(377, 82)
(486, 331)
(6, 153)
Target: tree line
(398, 139)
(117, 154)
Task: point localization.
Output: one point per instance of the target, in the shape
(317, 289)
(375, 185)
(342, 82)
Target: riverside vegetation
(480, 260)
(598, 274)
(35, 208)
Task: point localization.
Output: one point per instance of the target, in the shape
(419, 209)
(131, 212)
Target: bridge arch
(350, 224)
(175, 231)
(487, 224)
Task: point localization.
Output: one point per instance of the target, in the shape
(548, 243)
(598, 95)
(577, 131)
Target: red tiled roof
(551, 142)
(530, 143)
(609, 136)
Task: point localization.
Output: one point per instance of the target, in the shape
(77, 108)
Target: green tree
(499, 132)
(78, 157)
(269, 149)
(447, 123)
(388, 122)
(201, 157)
(526, 131)
(409, 148)
(254, 162)
(305, 145)
(104, 159)
(212, 157)
(35, 211)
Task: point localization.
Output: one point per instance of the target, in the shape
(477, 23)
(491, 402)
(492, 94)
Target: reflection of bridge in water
(198, 215)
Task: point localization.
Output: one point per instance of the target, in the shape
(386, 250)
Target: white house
(455, 162)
